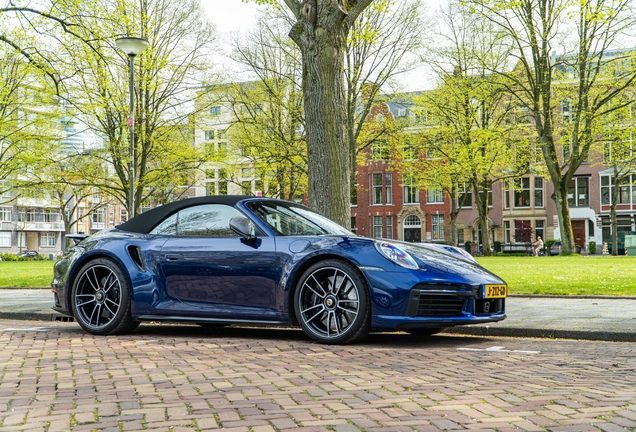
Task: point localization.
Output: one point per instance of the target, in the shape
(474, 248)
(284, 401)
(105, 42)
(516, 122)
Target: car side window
(210, 220)
(168, 227)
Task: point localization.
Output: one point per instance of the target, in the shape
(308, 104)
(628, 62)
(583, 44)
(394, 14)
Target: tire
(333, 313)
(100, 299)
(425, 331)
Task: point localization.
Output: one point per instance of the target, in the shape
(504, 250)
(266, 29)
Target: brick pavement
(186, 378)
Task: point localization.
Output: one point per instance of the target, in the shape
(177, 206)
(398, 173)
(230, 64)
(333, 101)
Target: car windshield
(291, 220)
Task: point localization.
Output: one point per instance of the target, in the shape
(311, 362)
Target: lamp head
(132, 46)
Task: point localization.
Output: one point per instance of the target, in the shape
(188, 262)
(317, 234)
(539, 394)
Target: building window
(411, 190)
(246, 187)
(410, 151)
(565, 106)
(389, 188)
(123, 215)
(5, 214)
(5, 238)
(626, 192)
(222, 182)
(209, 135)
(465, 197)
(377, 188)
(380, 151)
(522, 192)
(98, 216)
(354, 228)
(522, 231)
(377, 226)
(507, 232)
(435, 196)
(438, 226)
(539, 229)
(578, 192)
(506, 194)
(246, 172)
(618, 151)
(47, 239)
(389, 227)
(460, 235)
(538, 192)
(215, 110)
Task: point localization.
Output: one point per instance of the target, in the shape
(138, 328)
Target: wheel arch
(77, 265)
(300, 270)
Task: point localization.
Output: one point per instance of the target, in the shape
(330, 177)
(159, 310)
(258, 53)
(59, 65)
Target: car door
(213, 272)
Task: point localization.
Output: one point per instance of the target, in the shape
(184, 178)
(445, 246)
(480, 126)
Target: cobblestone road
(55, 377)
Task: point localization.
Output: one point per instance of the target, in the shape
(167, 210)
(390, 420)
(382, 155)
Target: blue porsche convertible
(227, 260)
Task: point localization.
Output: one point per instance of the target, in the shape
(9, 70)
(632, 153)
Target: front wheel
(332, 303)
(100, 299)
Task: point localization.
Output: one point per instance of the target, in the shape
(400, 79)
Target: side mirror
(243, 227)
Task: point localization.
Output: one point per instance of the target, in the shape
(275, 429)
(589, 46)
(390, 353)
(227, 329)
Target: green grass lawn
(26, 274)
(573, 275)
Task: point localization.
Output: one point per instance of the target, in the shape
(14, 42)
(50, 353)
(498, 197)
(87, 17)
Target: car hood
(442, 260)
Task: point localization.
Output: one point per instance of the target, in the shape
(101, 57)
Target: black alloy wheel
(332, 303)
(101, 299)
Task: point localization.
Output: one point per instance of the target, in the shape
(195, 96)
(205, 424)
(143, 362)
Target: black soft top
(145, 222)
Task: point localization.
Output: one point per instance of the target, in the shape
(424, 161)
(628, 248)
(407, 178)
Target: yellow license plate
(496, 291)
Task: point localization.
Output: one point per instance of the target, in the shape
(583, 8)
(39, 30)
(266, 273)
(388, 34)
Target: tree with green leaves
(29, 117)
(383, 44)
(614, 143)
(167, 75)
(268, 125)
(469, 146)
(564, 46)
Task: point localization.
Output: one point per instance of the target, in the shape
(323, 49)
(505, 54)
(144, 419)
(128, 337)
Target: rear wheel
(332, 303)
(100, 299)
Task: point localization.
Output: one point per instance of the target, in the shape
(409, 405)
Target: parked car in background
(555, 249)
(29, 253)
(222, 260)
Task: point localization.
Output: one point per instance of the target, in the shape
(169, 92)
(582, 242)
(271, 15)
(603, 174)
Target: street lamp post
(132, 46)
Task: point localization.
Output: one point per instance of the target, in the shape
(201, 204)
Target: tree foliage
(563, 52)
(268, 124)
(28, 118)
(180, 45)
(468, 145)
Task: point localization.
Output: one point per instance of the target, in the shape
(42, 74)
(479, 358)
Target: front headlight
(396, 255)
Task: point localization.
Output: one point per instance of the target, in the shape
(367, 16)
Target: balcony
(40, 221)
(41, 226)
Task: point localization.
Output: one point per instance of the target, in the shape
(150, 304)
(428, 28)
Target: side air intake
(135, 254)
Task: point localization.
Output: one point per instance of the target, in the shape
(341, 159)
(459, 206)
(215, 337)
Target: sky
(232, 16)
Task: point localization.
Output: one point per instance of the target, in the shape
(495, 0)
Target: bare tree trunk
(453, 215)
(560, 198)
(321, 36)
(613, 220)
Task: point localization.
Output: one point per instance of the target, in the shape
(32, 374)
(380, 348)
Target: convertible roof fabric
(146, 221)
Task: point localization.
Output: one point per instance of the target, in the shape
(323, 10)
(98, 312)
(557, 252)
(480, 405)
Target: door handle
(173, 257)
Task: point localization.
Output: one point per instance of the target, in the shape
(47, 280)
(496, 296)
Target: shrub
(591, 246)
(7, 256)
(548, 244)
